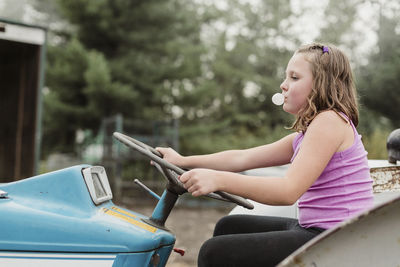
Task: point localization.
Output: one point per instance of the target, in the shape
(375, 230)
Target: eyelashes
(294, 78)
(290, 75)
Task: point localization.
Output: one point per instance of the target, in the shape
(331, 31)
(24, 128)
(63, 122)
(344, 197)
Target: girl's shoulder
(331, 130)
(328, 122)
(330, 116)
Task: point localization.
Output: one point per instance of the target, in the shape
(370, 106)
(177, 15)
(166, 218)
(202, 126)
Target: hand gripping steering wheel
(171, 172)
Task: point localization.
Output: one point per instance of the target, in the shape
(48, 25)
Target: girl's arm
(277, 153)
(323, 138)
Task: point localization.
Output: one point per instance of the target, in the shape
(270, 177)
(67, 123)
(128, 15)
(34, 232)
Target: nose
(283, 86)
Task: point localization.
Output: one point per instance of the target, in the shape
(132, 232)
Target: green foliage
(80, 94)
(116, 61)
(339, 17)
(374, 129)
(163, 59)
(379, 80)
(105, 97)
(230, 104)
(65, 107)
(375, 144)
(379, 90)
(203, 139)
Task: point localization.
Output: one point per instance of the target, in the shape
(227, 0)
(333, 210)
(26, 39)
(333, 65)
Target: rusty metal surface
(370, 239)
(386, 179)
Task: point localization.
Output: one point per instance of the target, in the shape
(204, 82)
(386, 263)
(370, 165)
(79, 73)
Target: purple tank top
(343, 189)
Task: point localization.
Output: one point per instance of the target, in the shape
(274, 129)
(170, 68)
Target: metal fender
(370, 239)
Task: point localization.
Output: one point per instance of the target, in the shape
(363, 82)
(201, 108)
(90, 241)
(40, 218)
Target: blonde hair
(333, 85)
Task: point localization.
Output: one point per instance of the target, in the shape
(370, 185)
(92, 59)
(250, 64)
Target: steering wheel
(171, 172)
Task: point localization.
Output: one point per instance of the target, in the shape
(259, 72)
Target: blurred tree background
(213, 65)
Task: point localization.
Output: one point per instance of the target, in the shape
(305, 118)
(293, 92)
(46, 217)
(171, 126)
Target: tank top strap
(356, 135)
(348, 120)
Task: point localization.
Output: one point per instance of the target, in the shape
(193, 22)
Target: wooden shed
(22, 60)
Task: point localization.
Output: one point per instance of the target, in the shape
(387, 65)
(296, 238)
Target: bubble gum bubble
(278, 99)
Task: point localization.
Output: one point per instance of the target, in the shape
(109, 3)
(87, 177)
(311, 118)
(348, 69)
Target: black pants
(248, 240)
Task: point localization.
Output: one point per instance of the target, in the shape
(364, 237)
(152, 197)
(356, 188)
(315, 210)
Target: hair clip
(325, 49)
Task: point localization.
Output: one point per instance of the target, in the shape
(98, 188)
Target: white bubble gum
(278, 99)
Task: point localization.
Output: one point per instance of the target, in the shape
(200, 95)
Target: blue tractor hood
(54, 212)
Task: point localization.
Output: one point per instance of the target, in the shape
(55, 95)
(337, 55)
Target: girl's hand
(200, 182)
(171, 155)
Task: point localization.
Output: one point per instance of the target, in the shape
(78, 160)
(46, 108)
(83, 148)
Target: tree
(379, 82)
(114, 58)
(231, 104)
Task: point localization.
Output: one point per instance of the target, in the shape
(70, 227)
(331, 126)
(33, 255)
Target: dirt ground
(191, 226)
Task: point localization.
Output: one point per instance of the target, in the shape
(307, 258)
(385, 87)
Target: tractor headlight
(97, 184)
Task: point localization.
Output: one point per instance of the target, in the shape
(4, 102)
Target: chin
(288, 109)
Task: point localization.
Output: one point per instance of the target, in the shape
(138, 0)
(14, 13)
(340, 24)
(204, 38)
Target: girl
(328, 175)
